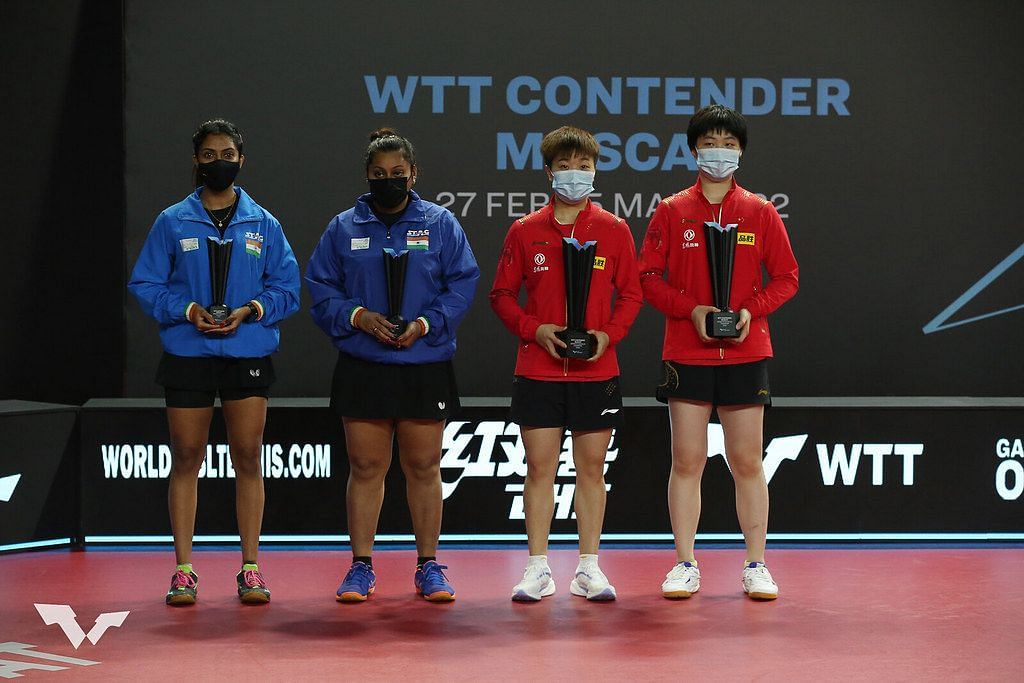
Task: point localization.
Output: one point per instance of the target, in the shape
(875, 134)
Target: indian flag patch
(253, 247)
(417, 239)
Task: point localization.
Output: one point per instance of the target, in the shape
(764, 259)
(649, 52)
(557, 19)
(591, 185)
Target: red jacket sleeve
(654, 257)
(629, 295)
(779, 261)
(508, 280)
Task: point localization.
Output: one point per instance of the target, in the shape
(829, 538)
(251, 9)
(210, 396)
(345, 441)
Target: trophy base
(722, 325)
(219, 312)
(578, 344)
(399, 323)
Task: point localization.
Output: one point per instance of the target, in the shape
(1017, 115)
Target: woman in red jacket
(551, 393)
(702, 373)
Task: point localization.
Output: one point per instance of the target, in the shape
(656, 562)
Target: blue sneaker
(358, 584)
(432, 584)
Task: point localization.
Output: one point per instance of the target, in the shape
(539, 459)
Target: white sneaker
(682, 581)
(535, 584)
(591, 583)
(758, 582)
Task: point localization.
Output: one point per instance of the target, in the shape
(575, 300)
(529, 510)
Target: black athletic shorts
(720, 385)
(194, 382)
(578, 406)
(381, 391)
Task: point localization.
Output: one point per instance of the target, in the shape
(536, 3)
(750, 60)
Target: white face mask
(572, 186)
(718, 163)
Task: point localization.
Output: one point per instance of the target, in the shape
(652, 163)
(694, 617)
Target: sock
(423, 559)
(538, 559)
(250, 567)
(588, 560)
(187, 568)
(365, 559)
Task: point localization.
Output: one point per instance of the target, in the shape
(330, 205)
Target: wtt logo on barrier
(7, 486)
(64, 616)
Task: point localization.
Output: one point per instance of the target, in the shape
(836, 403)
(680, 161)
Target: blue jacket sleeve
(331, 302)
(461, 274)
(150, 279)
(280, 295)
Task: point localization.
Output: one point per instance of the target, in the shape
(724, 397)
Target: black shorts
(194, 382)
(720, 385)
(578, 406)
(380, 391)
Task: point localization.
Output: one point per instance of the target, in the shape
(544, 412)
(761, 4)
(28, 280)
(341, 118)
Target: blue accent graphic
(395, 254)
(939, 322)
(576, 243)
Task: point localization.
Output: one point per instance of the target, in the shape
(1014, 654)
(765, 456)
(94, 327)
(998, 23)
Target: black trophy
(721, 247)
(578, 262)
(219, 252)
(394, 273)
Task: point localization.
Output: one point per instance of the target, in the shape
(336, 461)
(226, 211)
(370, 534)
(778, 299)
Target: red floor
(842, 614)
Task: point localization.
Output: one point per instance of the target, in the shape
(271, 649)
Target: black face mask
(217, 175)
(388, 192)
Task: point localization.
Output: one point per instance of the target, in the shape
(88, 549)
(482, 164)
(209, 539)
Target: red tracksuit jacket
(675, 242)
(533, 254)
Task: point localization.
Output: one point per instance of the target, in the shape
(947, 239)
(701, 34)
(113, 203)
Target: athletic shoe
(359, 583)
(758, 583)
(183, 588)
(252, 588)
(682, 581)
(592, 584)
(535, 584)
(432, 584)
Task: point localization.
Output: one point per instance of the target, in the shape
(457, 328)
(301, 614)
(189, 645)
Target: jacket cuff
(188, 310)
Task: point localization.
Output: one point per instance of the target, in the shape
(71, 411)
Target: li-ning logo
(254, 373)
(64, 616)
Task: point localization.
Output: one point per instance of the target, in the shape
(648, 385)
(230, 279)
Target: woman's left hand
(743, 325)
(236, 318)
(602, 344)
(414, 331)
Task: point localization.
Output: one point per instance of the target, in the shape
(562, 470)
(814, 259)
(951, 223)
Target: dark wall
(897, 206)
(62, 336)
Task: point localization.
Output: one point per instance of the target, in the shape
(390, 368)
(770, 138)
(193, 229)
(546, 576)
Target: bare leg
(743, 445)
(689, 424)
(419, 451)
(190, 430)
(588, 452)
(368, 443)
(245, 420)
(542, 444)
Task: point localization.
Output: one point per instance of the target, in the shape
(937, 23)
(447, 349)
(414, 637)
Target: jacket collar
(549, 212)
(700, 192)
(192, 208)
(362, 212)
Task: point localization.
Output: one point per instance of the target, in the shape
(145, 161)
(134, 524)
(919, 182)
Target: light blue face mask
(718, 163)
(572, 186)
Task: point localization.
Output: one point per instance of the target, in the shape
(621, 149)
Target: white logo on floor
(11, 668)
(64, 616)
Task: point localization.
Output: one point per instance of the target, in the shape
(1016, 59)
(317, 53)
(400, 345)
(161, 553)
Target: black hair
(216, 127)
(384, 140)
(568, 140)
(715, 117)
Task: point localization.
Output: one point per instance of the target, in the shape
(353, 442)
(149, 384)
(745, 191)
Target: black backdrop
(896, 210)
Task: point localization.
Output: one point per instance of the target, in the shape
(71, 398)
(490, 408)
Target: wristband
(254, 312)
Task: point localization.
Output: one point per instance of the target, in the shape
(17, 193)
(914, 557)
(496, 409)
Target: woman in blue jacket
(204, 356)
(388, 380)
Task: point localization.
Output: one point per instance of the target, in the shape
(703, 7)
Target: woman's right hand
(377, 326)
(545, 336)
(203, 321)
(699, 319)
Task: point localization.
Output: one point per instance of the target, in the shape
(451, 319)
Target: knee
(422, 469)
(590, 471)
(367, 469)
(246, 461)
(746, 468)
(688, 464)
(187, 459)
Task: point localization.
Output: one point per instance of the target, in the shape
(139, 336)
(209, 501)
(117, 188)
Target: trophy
(219, 252)
(578, 262)
(721, 248)
(394, 273)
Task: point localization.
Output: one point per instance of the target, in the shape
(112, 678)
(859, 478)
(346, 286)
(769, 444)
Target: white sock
(541, 560)
(587, 561)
